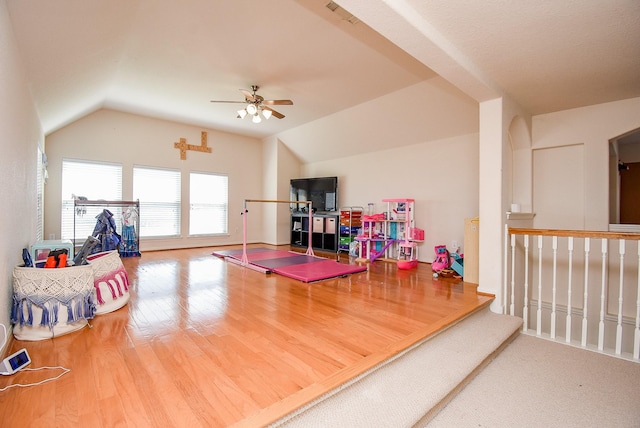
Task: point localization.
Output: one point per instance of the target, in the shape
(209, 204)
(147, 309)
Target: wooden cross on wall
(183, 146)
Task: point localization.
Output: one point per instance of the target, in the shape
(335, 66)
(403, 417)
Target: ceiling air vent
(342, 13)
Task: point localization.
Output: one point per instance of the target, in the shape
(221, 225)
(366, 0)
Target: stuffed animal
(442, 260)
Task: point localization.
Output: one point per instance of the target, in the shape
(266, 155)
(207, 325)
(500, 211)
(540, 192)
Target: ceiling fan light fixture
(255, 106)
(252, 109)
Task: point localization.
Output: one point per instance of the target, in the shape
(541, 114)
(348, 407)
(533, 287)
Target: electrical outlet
(52, 236)
(454, 246)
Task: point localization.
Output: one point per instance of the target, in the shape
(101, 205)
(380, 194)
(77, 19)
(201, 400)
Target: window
(208, 212)
(41, 166)
(158, 191)
(92, 180)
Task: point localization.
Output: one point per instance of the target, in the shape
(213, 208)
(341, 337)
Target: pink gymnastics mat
(294, 265)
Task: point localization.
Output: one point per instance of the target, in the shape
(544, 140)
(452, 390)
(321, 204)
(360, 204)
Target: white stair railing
(565, 285)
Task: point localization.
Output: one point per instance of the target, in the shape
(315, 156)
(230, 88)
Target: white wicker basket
(110, 280)
(51, 302)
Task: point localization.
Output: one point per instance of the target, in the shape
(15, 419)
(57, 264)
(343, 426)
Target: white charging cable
(64, 369)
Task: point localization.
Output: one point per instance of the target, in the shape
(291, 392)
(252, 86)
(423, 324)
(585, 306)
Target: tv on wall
(322, 192)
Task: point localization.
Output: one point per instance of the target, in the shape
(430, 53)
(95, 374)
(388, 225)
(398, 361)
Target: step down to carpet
(412, 387)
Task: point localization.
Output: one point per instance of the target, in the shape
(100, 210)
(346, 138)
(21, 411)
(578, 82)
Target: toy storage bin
(345, 242)
(330, 225)
(318, 224)
(40, 250)
(346, 230)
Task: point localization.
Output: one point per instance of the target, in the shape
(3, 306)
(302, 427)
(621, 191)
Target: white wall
(435, 159)
(280, 166)
(493, 194)
(288, 167)
(591, 127)
(269, 191)
(113, 136)
(441, 175)
(518, 175)
(21, 135)
(559, 204)
(399, 117)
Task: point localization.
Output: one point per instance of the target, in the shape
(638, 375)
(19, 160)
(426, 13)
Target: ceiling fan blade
(217, 101)
(278, 102)
(248, 95)
(273, 112)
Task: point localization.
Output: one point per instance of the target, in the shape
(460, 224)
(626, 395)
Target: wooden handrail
(575, 233)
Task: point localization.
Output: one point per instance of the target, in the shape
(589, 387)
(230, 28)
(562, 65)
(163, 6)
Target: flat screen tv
(322, 192)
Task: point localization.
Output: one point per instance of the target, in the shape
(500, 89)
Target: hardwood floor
(204, 342)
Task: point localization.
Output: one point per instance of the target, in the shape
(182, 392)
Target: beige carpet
(537, 383)
(401, 392)
(532, 383)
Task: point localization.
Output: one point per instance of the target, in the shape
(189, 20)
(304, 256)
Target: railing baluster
(525, 309)
(636, 336)
(602, 295)
(554, 246)
(539, 310)
(551, 271)
(621, 250)
(585, 304)
(567, 334)
(512, 306)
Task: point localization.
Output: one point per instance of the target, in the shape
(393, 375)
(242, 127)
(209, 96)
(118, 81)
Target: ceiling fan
(256, 105)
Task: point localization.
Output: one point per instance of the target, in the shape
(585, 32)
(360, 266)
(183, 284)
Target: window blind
(94, 181)
(208, 204)
(40, 171)
(158, 191)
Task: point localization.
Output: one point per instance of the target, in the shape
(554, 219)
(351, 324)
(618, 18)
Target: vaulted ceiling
(168, 59)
